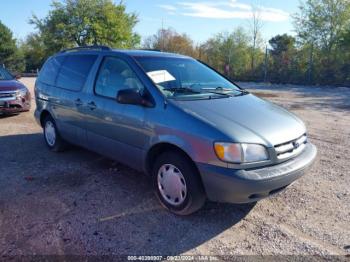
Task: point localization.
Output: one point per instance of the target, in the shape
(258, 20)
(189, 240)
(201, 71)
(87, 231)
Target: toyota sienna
(197, 134)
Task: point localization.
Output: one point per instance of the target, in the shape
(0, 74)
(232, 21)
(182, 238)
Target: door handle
(78, 102)
(92, 105)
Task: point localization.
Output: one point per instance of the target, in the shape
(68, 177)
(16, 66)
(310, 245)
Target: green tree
(343, 74)
(321, 25)
(34, 52)
(283, 54)
(322, 22)
(171, 41)
(87, 22)
(10, 56)
(230, 53)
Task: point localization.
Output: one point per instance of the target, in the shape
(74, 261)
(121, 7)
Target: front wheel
(177, 184)
(52, 138)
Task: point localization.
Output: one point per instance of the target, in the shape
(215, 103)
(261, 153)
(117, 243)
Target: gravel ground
(80, 203)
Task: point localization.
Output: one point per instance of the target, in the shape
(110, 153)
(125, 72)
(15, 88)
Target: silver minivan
(197, 134)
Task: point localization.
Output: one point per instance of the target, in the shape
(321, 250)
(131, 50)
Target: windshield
(4, 74)
(186, 78)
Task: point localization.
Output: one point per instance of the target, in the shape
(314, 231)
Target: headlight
(240, 153)
(22, 92)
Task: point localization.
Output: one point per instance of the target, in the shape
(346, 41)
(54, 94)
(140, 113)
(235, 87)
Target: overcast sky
(199, 19)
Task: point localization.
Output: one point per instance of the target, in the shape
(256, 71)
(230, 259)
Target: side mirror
(18, 77)
(132, 97)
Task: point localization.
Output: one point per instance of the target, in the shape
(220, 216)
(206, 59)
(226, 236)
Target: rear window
(74, 71)
(50, 69)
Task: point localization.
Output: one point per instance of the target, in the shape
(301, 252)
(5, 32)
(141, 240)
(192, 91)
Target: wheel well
(43, 115)
(159, 149)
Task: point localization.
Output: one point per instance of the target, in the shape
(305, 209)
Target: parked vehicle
(14, 96)
(198, 135)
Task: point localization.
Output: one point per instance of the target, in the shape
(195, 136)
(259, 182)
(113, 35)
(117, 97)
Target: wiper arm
(219, 93)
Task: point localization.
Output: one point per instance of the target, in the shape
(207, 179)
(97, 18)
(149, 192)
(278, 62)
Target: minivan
(196, 134)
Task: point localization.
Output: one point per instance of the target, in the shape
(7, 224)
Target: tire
(51, 135)
(175, 174)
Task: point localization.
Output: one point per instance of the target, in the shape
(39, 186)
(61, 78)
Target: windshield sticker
(160, 76)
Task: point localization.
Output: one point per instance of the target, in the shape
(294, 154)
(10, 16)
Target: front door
(113, 129)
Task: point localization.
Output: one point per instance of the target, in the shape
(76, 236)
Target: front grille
(291, 148)
(8, 94)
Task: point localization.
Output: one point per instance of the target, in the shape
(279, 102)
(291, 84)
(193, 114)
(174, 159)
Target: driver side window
(115, 75)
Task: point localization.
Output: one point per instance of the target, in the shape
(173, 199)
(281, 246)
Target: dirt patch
(344, 107)
(296, 107)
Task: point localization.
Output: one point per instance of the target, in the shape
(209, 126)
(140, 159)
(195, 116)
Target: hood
(247, 119)
(10, 85)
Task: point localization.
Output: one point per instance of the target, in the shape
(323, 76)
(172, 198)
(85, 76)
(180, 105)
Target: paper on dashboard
(160, 76)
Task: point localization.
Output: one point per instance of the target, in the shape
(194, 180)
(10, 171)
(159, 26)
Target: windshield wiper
(218, 91)
(225, 91)
(181, 90)
(219, 88)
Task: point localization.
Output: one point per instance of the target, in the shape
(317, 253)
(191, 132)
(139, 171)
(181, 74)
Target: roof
(133, 53)
(149, 53)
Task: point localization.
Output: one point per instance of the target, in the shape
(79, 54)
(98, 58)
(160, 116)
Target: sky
(200, 19)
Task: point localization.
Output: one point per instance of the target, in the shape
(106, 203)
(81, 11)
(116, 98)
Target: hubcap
(171, 184)
(50, 133)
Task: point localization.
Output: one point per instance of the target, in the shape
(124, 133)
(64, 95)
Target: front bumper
(243, 186)
(15, 104)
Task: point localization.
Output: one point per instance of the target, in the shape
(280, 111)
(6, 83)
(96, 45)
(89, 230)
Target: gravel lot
(80, 203)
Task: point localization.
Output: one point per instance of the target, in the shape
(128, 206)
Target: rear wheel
(177, 183)
(52, 138)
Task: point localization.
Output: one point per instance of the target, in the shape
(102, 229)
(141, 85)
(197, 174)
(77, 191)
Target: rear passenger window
(74, 71)
(50, 69)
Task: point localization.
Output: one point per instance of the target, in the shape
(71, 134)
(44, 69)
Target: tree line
(319, 53)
